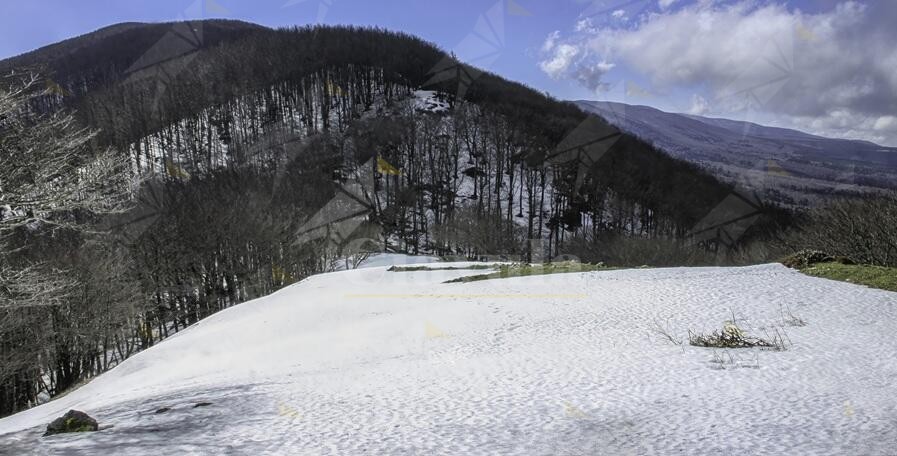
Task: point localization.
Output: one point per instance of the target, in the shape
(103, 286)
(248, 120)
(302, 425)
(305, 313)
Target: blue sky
(28, 25)
(823, 66)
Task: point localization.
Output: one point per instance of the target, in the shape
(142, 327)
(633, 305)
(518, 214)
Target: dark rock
(845, 260)
(72, 421)
(473, 171)
(806, 258)
(202, 404)
(163, 410)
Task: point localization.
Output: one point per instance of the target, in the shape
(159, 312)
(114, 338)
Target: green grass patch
(522, 270)
(441, 268)
(872, 276)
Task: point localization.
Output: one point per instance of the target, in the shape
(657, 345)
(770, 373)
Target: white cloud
(886, 123)
(699, 105)
(837, 67)
(605, 66)
(592, 76)
(561, 59)
(584, 25)
(664, 4)
(618, 13)
(551, 40)
(843, 124)
(566, 60)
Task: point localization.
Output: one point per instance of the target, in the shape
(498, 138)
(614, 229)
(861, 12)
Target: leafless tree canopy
(48, 169)
(49, 179)
(862, 229)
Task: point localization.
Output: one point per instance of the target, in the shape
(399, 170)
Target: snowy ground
(429, 100)
(376, 362)
(390, 259)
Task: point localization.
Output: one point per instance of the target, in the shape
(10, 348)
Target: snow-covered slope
(370, 361)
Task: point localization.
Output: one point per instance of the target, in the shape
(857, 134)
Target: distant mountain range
(785, 165)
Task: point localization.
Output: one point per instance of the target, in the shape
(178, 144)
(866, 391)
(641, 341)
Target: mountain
(379, 361)
(267, 156)
(786, 165)
(100, 58)
(189, 98)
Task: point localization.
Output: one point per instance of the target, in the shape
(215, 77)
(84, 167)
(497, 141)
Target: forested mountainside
(205, 92)
(787, 166)
(103, 57)
(272, 153)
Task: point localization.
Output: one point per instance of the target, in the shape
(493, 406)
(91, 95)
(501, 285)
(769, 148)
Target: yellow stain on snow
(848, 409)
(287, 411)
(214, 7)
(280, 275)
(56, 89)
(175, 171)
(333, 89)
(773, 167)
(634, 90)
(384, 167)
(432, 332)
(573, 411)
(805, 33)
(515, 9)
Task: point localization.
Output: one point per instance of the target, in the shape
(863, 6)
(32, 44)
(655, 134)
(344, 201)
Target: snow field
(376, 362)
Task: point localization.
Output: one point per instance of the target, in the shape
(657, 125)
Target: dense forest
(256, 157)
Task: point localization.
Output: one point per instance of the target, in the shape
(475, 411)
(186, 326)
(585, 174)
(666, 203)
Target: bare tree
(49, 177)
(49, 169)
(862, 229)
